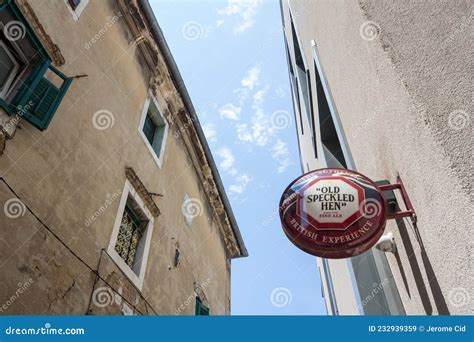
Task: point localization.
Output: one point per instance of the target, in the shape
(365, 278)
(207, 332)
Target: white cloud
(228, 158)
(259, 98)
(283, 165)
(259, 130)
(241, 184)
(280, 149)
(281, 154)
(248, 82)
(230, 111)
(227, 164)
(242, 94)
(251, 78)
(280, 92)
(210, 132)
(243, 11)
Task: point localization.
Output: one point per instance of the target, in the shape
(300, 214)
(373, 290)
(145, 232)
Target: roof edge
(178, 80)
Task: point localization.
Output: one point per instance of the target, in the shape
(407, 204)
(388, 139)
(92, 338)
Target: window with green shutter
(201, 309)
(30, 86)
(153, 128)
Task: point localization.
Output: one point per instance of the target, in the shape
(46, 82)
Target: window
(301, 74)
(201, 309)
(303, 82)
(29, 85)
(154, 129)
(294, 87)
(74, 3)
(311, 115)
(371, 267)
(332, 149)
(76, 7)
(8, 69)
(131, 236)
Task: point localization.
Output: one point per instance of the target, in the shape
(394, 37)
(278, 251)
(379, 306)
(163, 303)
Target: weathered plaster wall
(67, 172)
(394, 95)
(38, 274)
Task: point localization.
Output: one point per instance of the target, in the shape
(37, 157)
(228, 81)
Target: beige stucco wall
(394, 95)
(67, 172)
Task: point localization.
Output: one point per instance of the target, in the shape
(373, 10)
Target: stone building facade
(385, 88)
(111, 201)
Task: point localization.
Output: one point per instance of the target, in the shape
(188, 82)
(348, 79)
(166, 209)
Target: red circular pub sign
(333, 213)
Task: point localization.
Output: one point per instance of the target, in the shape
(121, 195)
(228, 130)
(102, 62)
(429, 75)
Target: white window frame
(143, 249)
(158, 160)
(6, 88)
(78, 11)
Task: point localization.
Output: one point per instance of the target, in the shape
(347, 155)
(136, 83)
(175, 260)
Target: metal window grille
(129, 236)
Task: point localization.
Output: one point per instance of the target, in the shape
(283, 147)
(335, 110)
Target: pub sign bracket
(399, 214)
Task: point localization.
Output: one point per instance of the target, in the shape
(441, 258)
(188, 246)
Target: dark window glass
(149, 129)
(302, 76)
(331, 146)
(201, 309)
(311, 114)
(154, 128)
(294, 87)
(74, 3)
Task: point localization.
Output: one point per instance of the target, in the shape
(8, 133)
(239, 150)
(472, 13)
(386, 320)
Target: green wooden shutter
(204, 311)
(39, 98)
(201, 309)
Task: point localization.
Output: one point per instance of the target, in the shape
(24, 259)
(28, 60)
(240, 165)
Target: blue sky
(231, 56)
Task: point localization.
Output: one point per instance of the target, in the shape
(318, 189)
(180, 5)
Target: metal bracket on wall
(398, 214)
